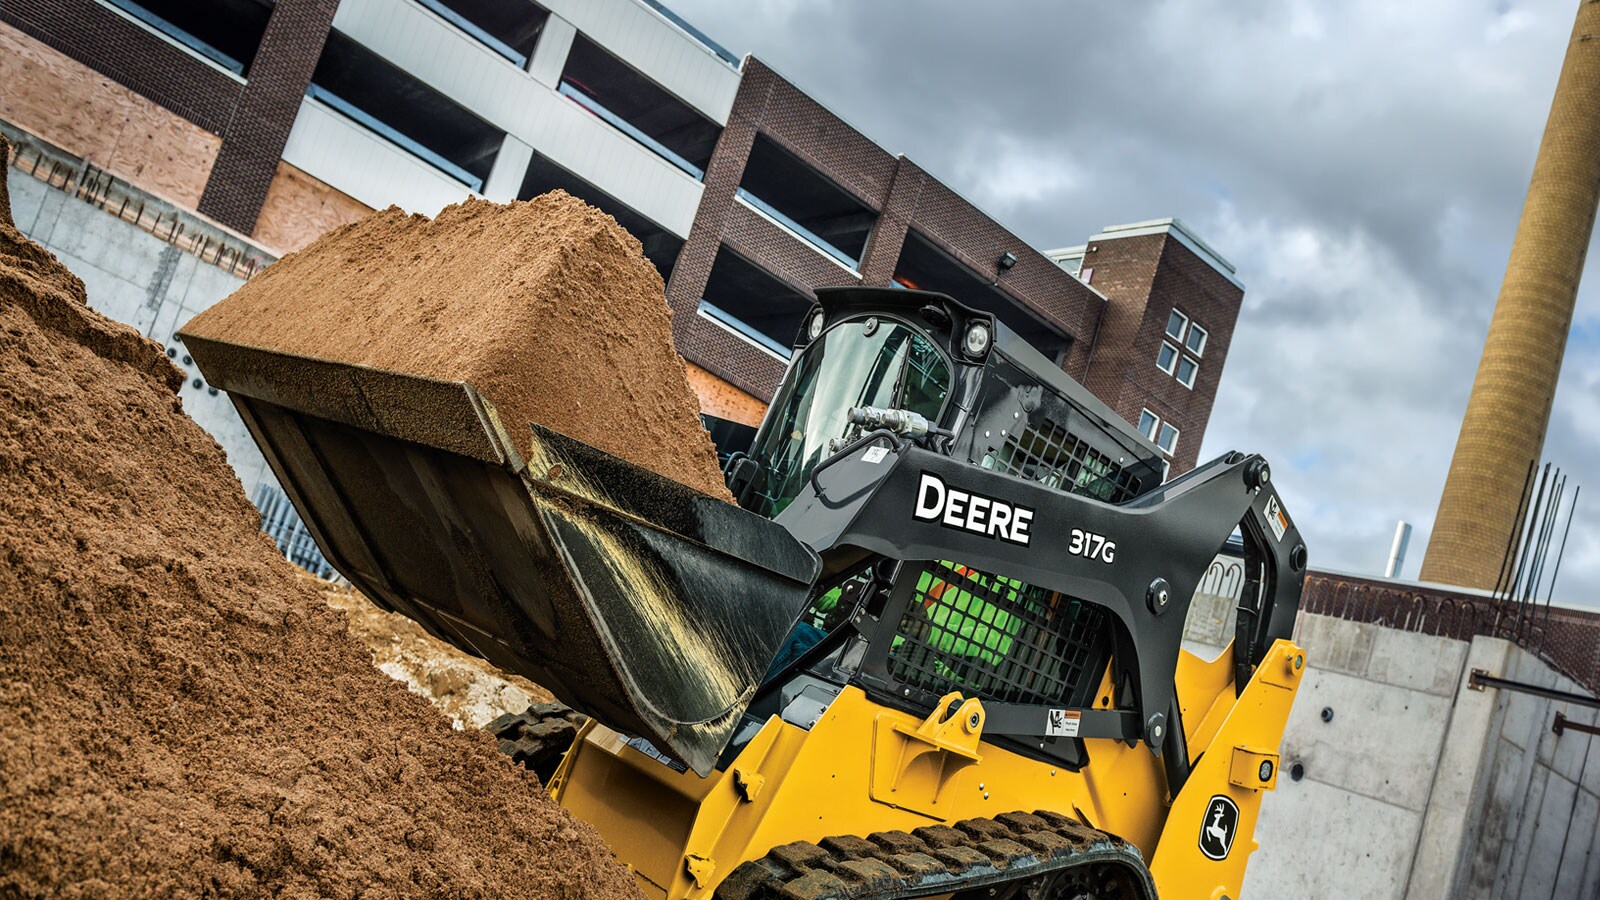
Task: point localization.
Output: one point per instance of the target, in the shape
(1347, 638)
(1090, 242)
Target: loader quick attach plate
(644, 603)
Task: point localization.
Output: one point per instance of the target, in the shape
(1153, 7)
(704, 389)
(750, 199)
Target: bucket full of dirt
(483, 422)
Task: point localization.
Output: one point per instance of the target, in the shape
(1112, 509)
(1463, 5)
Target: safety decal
(874, 455)
(649, 749)
(1221, 823)
(1062, 723)
(1276, 520)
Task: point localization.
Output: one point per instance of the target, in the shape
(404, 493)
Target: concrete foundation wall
(1415, 785)
(1531, 832)
(136, 278)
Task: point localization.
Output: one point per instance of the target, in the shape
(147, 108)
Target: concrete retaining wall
(1415, 785)
(141, 280)
(1530, 830)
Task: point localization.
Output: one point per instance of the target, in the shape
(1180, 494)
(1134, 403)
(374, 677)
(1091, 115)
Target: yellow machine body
(864, 768)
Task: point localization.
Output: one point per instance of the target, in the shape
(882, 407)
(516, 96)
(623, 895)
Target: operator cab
(947, 376)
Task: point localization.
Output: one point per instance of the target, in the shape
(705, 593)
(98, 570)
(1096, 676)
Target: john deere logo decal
(1220, 825)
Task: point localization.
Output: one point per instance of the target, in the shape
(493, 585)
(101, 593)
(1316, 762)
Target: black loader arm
(1141, 560)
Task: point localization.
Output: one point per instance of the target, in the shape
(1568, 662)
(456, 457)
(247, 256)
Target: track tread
(938, 859)
(538, 736)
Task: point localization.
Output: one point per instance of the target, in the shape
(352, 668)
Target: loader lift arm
(1161, 544)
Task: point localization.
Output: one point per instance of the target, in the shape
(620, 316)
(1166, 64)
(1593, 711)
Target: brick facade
(1145, 278)
(129, 55)
(901, 194)
(254, 139)
(253, 116)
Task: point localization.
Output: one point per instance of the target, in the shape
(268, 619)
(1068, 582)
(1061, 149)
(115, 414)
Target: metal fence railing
(281, 523)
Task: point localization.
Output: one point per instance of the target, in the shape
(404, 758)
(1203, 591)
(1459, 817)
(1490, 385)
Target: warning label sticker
(649, 749)
(1062, 723)
(1276, 520)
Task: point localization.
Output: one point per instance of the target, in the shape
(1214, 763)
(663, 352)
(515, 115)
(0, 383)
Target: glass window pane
(1168, 439)
(1167, 357)
(1148, 423)
(1175, 325)
(1187, 368)
(1197, 340)
(891, 365)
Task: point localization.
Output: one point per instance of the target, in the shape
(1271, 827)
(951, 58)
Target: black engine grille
(997, 638)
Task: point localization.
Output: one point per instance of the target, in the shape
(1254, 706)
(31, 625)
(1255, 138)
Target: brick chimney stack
(1504, 426)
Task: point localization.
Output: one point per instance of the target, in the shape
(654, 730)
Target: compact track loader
(935, 650)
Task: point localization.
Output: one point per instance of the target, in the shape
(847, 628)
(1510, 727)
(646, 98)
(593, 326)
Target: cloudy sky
(1362, 163)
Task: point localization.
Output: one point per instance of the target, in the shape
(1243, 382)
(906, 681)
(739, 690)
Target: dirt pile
(5, 189)
(469, 690)
(179, 714)
(549, 308)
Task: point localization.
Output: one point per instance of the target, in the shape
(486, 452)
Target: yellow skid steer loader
(934, 651)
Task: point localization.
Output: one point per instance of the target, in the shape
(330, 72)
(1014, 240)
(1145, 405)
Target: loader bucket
(642, 602)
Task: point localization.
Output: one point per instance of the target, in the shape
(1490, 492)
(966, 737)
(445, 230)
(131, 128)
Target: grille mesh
(996, 637)
(1053, 456)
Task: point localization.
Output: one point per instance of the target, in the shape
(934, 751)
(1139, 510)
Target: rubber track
(938, 859)
(538, 736)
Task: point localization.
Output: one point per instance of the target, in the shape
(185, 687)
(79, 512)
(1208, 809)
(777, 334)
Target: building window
(1187, 369)
(1167, 357)
(626, 100)
(1167, 438)
(1148, 423)
(753, 304)
(1161, 433)
(1176, 323)
(393, 104)
(1191, 337)
(226, 33)
(509, 29)
(801, 200)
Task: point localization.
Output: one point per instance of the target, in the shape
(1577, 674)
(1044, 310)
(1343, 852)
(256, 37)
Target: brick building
(277, 120)
(1172, 302)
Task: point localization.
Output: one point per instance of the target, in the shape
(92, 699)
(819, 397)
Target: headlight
(976, 342)
(814, 324)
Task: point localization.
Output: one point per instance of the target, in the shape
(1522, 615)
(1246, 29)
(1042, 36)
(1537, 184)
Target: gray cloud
(1362, 163)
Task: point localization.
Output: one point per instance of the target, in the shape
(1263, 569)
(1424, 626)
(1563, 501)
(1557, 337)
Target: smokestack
(1503, 429)
(1397, 550)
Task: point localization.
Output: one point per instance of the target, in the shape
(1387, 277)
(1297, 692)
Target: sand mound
(179, 714)
(549, 308)
(468, 689)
